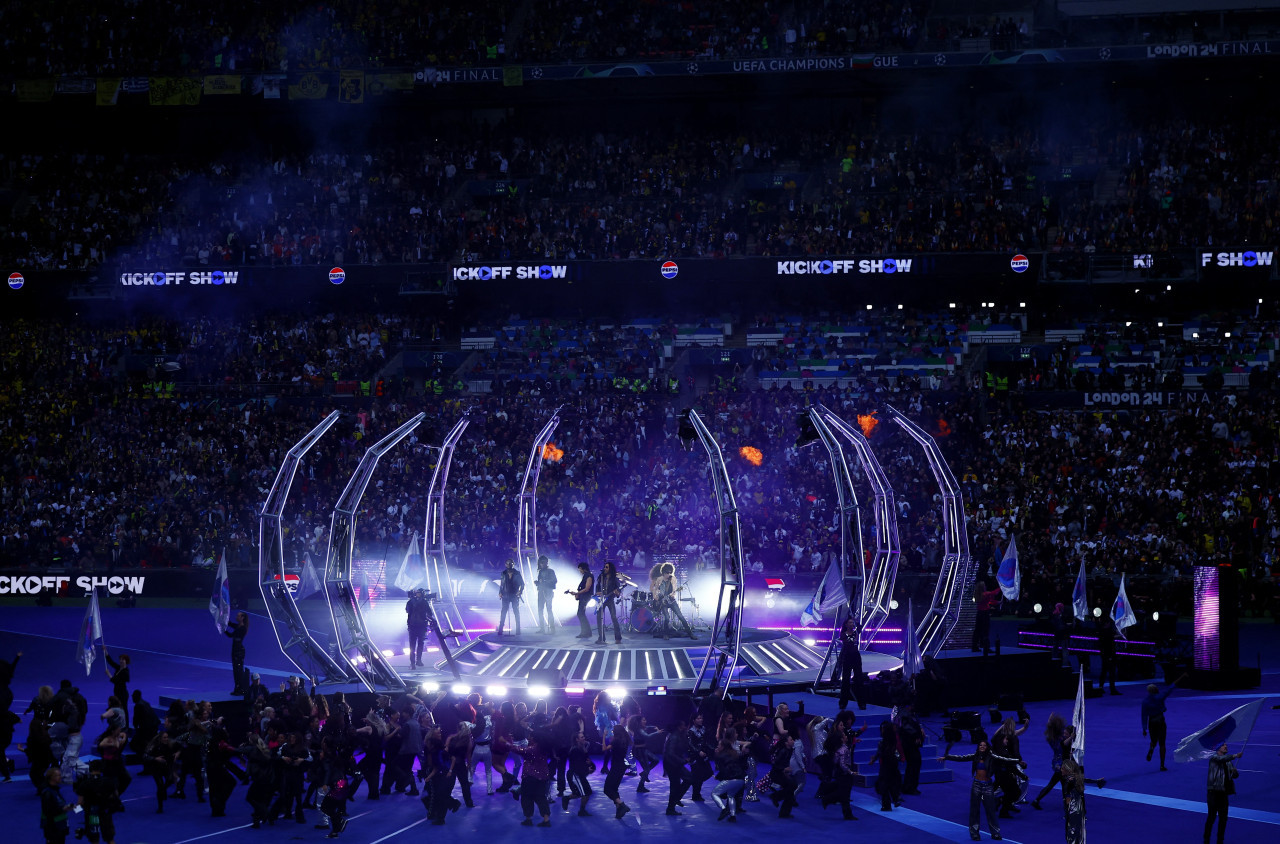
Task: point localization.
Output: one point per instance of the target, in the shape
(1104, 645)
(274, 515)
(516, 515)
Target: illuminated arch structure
(297, 643)
(527, 517)
(368, 665)
(950, 618)
(434, 559)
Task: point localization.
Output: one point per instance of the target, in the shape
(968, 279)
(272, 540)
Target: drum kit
(641, 609)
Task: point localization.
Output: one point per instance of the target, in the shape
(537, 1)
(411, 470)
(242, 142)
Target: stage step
(865, 774)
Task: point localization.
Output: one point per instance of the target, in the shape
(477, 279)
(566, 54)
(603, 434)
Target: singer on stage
(545, 581)
(510, 590)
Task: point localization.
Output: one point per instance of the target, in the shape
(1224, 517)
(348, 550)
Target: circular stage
(767, 657)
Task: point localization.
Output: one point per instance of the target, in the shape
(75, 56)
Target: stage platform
(768, 657)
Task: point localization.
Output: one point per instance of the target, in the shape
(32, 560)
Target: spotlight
(951, 305)
(893, 605)
(460, 689)
(686, 432)
(495, 691)
(1097, 612)
(808, 431)
(1037, 608)
(404, 652)
(616, 693)
(429, 687)
(899, 307)
(769, 600)
(539, 692)
(574, 690)
(868, 307)
(811, 642)
(1022, 304)
(1155, 616)
(388, 653)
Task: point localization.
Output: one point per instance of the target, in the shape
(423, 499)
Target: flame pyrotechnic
(550, 452)
(751, 454)
(868, 423)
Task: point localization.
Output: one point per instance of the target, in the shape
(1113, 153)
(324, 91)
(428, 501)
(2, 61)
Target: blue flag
(1008, 575)
(1079, 600)
(1235, 726)
(1121, 613)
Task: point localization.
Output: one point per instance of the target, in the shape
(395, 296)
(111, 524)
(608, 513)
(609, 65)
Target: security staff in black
(510, 590)
(545, 580)
(608, 593)
(417, 609)
(586, 588)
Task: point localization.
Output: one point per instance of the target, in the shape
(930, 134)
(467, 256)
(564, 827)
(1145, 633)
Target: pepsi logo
(16, 281)
(337, 275)
(1019, 263)
(669, 269)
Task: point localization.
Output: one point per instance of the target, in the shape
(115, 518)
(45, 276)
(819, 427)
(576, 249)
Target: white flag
(1077, 720)
(220, 599)
(912, 660)
(309, 581)
(1233, 727)
(1121, 613)
(90, 634)
(1008, 575)
(411, 569)
(829, 595)
(1079, 596)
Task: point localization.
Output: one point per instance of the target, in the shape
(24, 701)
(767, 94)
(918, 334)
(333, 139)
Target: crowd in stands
(1160, 489)
(509, 193)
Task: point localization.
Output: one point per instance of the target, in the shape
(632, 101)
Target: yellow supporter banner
(351, 86)
(222, 84)
(108, 90)
(388, 83)
(34, 90)
(174, 91)
(311, 86)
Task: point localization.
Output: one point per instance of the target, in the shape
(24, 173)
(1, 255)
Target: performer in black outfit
(586, 588)
(6, 677)
(118, 674)
(608, 591)
(510, 590)
(665, 603)
(850, 664)
(236, 632)
(417, 609)
(545, 581)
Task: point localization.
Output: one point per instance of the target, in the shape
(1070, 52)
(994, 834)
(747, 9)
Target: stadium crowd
(1165, 488)
(480, 193)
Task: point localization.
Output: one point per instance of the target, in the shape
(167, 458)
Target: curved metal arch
(301, 649)
(951, 605)
(434, 559)
(851, 578)
(728, 623)
(527, 516)
(878, 585)
(352, 634)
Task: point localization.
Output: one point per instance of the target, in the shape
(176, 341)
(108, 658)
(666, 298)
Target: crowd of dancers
(296, 752)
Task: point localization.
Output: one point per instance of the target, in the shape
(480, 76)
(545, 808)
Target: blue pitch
(177, 652)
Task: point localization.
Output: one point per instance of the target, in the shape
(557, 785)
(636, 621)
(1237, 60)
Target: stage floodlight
(1097, 612)
(616, 694)
(538, 692)
(1037, 608)
(460, 689)
(893, 605)
(686, 432)
(429, 687)
(808, 431)
(1155, 616)
(495, 691)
